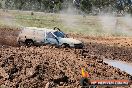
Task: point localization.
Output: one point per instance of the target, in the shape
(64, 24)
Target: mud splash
(8, 36)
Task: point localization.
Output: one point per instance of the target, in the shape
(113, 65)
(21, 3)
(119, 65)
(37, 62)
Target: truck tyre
(20, 44)
(65, 46)
(29, 43)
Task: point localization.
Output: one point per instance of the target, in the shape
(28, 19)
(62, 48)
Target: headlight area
(79, 46)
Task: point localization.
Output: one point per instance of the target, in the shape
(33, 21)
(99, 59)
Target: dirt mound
(8, 36)
(35, 66)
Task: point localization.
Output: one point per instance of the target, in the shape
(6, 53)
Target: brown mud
(8, 36)
(35, 66)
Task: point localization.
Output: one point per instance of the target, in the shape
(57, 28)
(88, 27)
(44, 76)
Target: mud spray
(9, 28)
(110, 23)
(69, 15)
(116, 26)
(8, 19)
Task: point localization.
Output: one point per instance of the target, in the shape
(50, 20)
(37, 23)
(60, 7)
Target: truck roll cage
(56, 28)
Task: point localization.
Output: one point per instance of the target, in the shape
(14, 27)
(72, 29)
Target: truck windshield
(59, 34)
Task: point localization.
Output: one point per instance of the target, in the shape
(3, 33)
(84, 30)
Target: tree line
(87, 6)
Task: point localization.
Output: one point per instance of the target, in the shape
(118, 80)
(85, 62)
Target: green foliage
(57, 5)
(0, 5)
(86, 5)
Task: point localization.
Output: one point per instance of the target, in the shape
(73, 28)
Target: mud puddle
(123, 66)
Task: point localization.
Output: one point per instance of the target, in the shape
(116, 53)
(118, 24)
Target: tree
(56, 5)
(86, 5)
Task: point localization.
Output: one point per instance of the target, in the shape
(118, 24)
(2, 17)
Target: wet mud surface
(33, 67)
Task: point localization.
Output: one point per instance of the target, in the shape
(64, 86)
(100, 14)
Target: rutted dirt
(35, 66)
(115, 48)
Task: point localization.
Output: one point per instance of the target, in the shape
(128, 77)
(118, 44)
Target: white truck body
(34, 35)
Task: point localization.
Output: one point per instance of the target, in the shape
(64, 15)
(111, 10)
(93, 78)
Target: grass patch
(89, 25)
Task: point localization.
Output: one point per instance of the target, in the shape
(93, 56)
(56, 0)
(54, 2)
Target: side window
(50, 35)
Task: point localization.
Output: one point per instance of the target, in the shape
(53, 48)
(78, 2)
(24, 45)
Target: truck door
(51, 39)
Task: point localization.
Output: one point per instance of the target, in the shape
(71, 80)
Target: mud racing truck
(43, 36)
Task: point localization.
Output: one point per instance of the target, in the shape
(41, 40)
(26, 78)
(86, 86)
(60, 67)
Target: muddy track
(108, 48)
(109, 52)
(35, 66)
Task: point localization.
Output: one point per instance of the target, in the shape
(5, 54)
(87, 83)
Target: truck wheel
(20, 44)
(65, 46)
(29, 43)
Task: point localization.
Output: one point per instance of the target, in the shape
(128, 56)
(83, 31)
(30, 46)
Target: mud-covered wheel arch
(29, 42)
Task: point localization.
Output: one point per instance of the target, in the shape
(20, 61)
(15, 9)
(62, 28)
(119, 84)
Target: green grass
(82, 25)
(89, 25)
